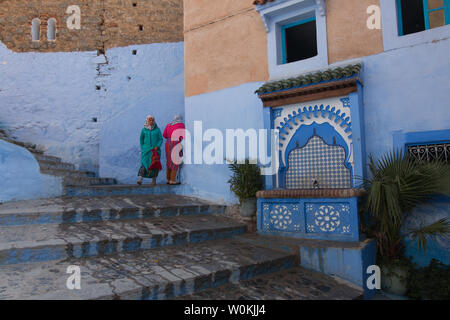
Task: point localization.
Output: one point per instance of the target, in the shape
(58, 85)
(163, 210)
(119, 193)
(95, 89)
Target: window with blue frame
(419, 15)
(299, 40)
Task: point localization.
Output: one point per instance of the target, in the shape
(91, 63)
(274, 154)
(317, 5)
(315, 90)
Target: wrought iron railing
(430, 152)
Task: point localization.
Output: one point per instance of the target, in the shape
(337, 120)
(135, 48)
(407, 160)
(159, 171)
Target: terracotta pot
(393, 279)
(247, 207)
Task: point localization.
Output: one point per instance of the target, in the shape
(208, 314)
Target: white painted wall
(50, 99)
(21, 178)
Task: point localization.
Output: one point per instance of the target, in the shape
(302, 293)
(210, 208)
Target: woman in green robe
(151, 139)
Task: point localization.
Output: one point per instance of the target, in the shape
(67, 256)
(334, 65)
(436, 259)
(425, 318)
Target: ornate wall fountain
(321, 154)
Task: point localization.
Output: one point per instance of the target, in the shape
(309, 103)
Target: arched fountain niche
(316, 157)
(316, 191)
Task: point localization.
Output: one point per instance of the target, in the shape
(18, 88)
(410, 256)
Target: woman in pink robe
(174, 133)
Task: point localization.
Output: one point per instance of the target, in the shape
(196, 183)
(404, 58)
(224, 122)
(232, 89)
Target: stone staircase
(141, 242)
(51, 165)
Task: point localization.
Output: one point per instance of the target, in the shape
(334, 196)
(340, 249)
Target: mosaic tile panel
(317, 161)
(281, 217)
(328, 218)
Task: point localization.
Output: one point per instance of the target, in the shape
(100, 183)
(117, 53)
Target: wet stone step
(91, 209)
(148, 274)
(293, 284)
(34, 243)
(122, 190)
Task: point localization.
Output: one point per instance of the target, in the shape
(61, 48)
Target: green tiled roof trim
(338, 73)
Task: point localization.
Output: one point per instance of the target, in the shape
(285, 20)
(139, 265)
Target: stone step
(91, 209)
(123, 189)
(35, 243)
(80, 181)
(49, 165)
(148, 274)
(30, 146)
(67, 172)
(293, 284)
(42, 157)
(343, 259)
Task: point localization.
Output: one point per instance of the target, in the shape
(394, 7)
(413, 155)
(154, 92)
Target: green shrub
(430, 283)
(398, 185)
(246, 180)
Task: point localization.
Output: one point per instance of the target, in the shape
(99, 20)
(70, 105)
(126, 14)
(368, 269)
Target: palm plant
(246, 179)
(397, 186)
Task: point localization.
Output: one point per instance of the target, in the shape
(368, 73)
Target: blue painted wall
(20, 177)
(157, 88)
(437, 248)
(232, 108)
(50, 99)
(405, 89)
(396, 97)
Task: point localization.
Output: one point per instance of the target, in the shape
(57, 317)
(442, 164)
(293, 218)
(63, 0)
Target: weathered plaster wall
(51, 99)
(224, 53)
(104, 24)
(236, 39)
(200, 12)
(406, 90)
(19, 168)
(347, 32)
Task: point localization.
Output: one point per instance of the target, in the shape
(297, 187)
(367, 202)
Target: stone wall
(104, 24)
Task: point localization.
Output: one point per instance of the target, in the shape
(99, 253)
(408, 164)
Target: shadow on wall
(438, 248)
(21, 178)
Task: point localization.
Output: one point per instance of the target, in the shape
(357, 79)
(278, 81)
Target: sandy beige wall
(347, 32)
(200, 12)
(223, 47)
(226, 42)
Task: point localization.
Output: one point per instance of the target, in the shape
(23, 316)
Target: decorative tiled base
(310, 218)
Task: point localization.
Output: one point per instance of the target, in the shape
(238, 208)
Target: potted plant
(396, 187)
(244, 183)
